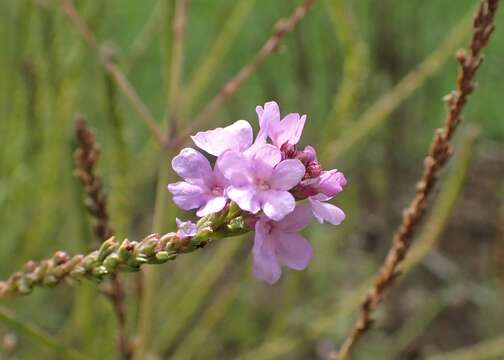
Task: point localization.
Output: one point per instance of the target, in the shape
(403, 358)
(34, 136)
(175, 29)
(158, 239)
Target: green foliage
(341, 59)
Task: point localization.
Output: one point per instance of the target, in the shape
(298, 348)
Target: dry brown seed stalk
(86, 157)
(282, 28)
(439, 153)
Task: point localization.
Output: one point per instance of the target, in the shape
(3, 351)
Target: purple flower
(323, 211)
(277, 243)
(330, 183)
(318, 186)
(288, 130)
(202, 188)
(186, 228)
(237, 136)
(261, 180)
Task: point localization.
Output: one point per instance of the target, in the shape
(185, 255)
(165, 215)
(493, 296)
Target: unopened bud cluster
(126, 256)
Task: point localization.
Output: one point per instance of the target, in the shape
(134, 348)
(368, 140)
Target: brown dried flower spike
(86, 157)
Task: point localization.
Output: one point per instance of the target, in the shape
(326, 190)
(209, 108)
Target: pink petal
(320, 197)
(219, 178)
(269, 115)
(287, 174)
(235, 167)
(290, 129)
(245, 198)
(192, 166)
(297, 219)
(276, 204)
(331, 182)
(187, 196)
(292, 250)
(265, 266)
(328, 212)
(213, 205)
(237, 136)
(186, 228)
(265, 159)
(311, 151)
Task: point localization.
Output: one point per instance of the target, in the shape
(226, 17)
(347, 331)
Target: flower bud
(111, 262)
(100, 271)
(163, 256)
(90, 261)
(288, 151)
(148, 245)
(107, 247)
(126, 250)
(313, 169)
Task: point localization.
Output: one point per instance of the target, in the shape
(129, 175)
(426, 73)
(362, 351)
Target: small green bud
(50, 280)
(234, 210)
(42, 270)
(163, 256)
(78, 272)
(139, 260)
(204, 221)
(111, 262)
(203, 235)
(106, 248)
(91, 260)
(100, 271)
(24, 287)
(167, 239)
(126, 250)
(237, 224)
(148, 244)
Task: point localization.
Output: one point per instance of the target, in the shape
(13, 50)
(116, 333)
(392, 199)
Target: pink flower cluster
(285, 188)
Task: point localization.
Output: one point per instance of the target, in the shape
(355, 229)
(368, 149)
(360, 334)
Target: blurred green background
(341, 66)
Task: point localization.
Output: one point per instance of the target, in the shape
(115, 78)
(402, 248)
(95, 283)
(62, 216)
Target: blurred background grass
(342, 66)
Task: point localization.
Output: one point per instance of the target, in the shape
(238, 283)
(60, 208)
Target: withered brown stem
(439, 153)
